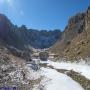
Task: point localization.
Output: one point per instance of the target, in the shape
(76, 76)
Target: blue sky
(42, 14)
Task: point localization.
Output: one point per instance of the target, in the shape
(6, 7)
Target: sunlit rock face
(75, 26)
(87, 19)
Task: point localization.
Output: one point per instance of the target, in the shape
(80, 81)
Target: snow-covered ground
(81, 68)
(59, 81)
(54, 80)
(32, 74)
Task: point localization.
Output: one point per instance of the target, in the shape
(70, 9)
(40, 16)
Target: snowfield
(81, 68)
(59, 81)
(54, 80)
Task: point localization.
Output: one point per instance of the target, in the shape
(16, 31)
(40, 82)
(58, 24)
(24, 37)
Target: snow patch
(31, 74)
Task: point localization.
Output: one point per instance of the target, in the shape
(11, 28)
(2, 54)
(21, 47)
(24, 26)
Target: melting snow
(82, 68)
(58, 81)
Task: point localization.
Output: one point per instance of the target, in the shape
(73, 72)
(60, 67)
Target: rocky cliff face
(75, 38)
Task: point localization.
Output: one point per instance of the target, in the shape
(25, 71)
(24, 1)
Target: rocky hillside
(23, 38)
(14, 73)
(75, 40)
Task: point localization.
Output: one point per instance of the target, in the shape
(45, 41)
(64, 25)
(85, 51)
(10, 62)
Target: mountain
(8, 33)
(19, 72)
(75, 40)
(23, 38)
(40, 39)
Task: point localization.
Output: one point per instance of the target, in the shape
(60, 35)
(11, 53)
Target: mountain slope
(75, 41)
(23, 38)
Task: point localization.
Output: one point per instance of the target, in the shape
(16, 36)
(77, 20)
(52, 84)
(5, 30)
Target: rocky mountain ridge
(23, 38)
(75, 38)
